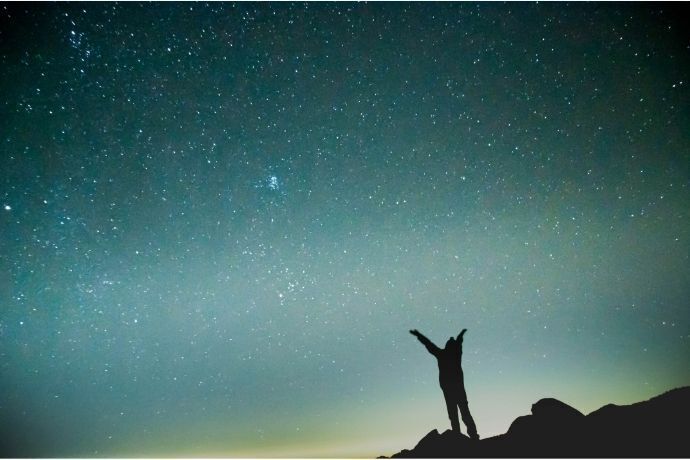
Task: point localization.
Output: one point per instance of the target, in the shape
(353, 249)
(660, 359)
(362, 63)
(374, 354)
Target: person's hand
(461, 334)
(414, 332)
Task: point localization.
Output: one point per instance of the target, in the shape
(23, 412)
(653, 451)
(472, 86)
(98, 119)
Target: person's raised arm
(459, 339)
(433, 349)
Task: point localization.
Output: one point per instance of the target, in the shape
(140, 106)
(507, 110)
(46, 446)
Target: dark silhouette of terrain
(451, 379)
(657, 427)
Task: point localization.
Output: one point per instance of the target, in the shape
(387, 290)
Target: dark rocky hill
(657, 427)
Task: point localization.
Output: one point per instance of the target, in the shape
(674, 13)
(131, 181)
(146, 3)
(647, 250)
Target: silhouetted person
(451, 379)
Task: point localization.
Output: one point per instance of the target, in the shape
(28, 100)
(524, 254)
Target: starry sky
(219, 221)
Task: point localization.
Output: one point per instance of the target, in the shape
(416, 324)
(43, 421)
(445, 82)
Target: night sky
(218, 222)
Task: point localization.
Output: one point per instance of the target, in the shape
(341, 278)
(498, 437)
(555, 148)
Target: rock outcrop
(653, 428)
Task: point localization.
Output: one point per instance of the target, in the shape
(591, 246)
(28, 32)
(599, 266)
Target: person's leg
(452, 407)
(467, 419)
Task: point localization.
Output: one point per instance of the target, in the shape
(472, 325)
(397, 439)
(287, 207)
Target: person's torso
(449, 369)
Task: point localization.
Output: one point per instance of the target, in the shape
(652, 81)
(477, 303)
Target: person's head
(451, 341)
